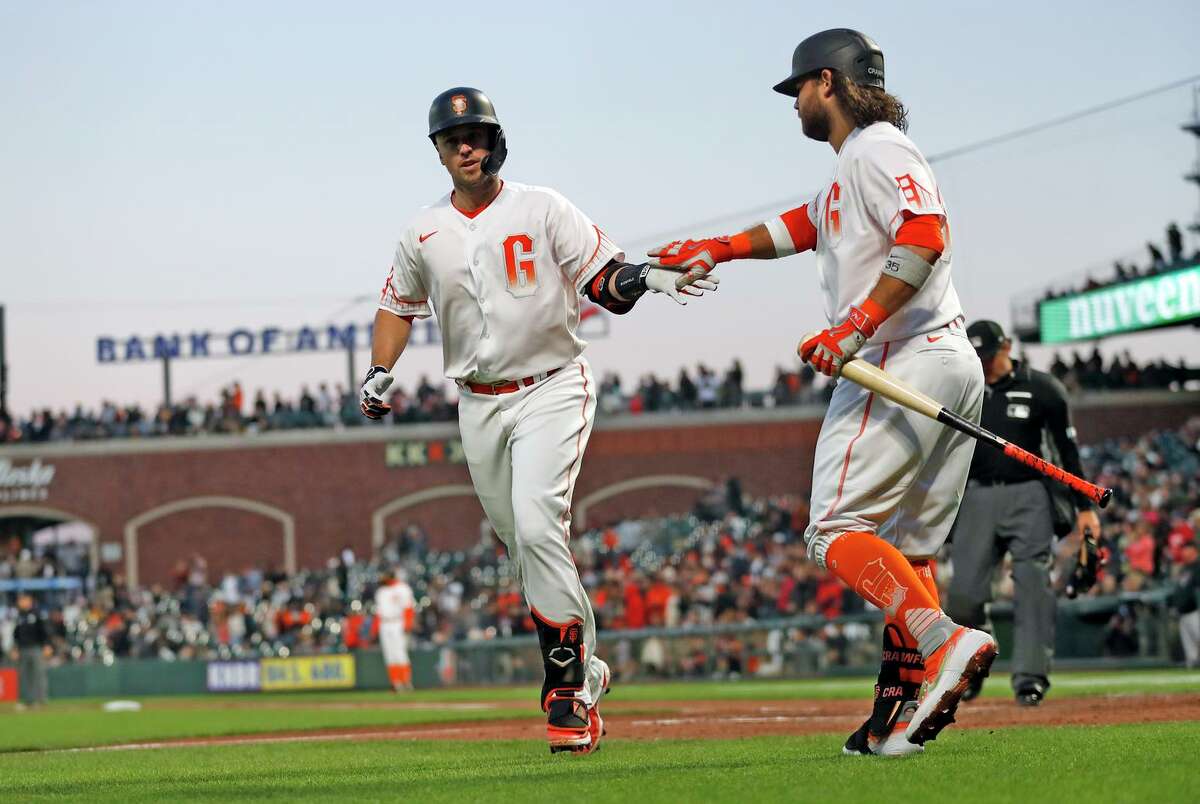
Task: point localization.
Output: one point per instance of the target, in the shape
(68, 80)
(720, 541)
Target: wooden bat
(875, 379)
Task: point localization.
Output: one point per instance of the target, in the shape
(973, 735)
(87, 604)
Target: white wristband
(781, 237)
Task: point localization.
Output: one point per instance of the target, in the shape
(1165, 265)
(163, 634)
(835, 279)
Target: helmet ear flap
(499, 152)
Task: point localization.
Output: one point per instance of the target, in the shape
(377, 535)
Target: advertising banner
(308, 673)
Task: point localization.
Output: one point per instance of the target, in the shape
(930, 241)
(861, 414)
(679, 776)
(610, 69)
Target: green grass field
(1137, 762)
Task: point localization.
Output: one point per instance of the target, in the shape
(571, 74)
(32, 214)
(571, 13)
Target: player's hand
(1086, 520)
(1090, 559)
(696, 258)
(666, 280)
(373, 388)
(829, 349)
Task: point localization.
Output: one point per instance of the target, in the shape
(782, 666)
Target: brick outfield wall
(331, 485)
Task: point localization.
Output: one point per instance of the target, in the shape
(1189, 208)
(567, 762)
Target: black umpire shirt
(1018, 408)
(31, 631)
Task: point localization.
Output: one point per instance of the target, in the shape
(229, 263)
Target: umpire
(1007, 508)
(32, 640)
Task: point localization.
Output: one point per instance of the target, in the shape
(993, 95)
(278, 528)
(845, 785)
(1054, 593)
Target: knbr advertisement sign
(308, 673)
(274, 675)
(1154, 301)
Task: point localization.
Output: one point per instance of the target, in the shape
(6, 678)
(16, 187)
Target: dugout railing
(1129, 630)
(1133, 629)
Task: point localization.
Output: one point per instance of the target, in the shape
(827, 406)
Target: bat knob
(1105, 498)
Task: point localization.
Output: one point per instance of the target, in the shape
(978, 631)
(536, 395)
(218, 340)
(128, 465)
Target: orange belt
(507, 386)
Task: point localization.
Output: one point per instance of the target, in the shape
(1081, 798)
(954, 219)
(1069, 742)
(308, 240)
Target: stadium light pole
(3, 368)
(166, 361)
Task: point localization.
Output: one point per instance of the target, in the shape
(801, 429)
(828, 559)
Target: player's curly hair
(867, 105)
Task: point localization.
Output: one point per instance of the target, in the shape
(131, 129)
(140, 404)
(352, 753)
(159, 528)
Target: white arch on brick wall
(407, 501)
(191, 503)
(61, 516)
(634, 484)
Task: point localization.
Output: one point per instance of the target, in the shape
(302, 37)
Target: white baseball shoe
(966, 656)
(895, 744)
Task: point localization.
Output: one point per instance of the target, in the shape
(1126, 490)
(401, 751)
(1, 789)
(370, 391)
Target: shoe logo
(561, 656)
(425, 237)
(932, 339)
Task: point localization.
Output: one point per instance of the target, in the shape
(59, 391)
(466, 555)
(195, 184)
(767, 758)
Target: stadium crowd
(731, 560)
(699, 389)
(1121, 374)
(1124, 271)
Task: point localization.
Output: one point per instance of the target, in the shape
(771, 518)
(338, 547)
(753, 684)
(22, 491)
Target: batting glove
(664, 280)
(697, 258)
(829, 349)
(373, 388)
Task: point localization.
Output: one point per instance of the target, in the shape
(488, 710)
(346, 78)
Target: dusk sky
(170, 167)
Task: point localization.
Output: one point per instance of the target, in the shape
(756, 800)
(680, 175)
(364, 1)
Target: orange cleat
(571, 725)
(966, 656)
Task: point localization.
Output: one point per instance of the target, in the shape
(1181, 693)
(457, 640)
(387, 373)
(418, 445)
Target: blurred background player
(886, 481)
(31, 641)
(395, 610)
(503, 265)
(1007, 509)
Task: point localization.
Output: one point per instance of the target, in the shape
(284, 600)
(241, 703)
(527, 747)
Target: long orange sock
(405, 674)
(881, 575)
(394, 675)
(925, 571)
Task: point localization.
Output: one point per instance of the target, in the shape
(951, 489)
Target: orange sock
(394, 675)
(881, 575)
(925, 569)
(406, 674)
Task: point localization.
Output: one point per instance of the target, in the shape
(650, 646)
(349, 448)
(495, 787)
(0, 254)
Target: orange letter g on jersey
(518, 264)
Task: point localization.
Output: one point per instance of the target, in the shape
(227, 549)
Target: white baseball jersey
(392, 600)
(880, 176)
(504, 281)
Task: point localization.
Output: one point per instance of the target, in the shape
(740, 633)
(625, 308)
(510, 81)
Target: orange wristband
(739, 246)
(868, 316)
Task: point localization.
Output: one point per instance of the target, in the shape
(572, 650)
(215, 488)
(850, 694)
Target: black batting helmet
(460, 106)
(853, 53)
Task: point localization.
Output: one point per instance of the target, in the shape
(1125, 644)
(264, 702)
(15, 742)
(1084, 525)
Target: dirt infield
(669, 720)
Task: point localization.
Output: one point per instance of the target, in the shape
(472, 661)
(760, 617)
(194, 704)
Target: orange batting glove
(699, 257)
(829, 349)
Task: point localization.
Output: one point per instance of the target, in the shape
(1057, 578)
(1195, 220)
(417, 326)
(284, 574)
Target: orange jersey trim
(804, 234)
(923, 231)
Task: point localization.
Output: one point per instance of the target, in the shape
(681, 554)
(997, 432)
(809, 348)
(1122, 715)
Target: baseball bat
(875, 379)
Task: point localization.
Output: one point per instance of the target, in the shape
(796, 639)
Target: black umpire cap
(987, 337)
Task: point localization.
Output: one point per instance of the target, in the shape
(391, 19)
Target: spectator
(707, 387)
(1174, 244)
(1157, 262)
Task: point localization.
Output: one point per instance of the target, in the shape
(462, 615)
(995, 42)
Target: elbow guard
(906, 266)
(630, 282)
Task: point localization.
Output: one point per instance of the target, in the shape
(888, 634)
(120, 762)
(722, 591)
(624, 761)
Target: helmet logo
(458, 104)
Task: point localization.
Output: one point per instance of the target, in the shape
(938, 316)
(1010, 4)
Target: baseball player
(886, 481)
(503, 266)
(395, 610)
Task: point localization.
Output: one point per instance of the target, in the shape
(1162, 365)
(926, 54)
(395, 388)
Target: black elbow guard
(630, 282)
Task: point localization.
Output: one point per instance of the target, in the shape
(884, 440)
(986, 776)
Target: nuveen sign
(1154, 301)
